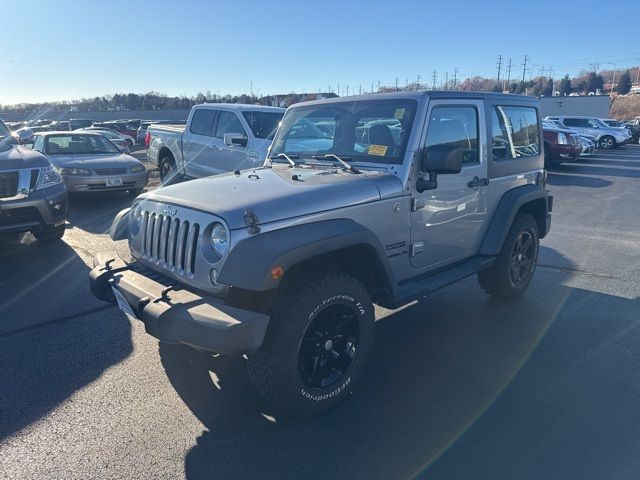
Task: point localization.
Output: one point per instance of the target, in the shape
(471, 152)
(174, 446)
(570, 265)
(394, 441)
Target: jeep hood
(278, 193)
(14, 157)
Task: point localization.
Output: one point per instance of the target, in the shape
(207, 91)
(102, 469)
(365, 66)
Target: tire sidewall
(166, 178)
(305, 400)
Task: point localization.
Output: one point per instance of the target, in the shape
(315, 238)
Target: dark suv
(32, 195)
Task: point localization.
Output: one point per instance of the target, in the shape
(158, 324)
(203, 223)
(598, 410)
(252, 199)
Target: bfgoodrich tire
(513, 270)
(319, 339)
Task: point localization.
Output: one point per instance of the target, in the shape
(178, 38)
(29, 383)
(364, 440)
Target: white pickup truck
(217, 138)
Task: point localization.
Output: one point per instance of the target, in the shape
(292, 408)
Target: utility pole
(360, 90)
(455, 78)
(347, 90)
(541, 71)
(371, 87)
(499, 67)
(524, 67)
(396, 84)
(508, 76)
(378, 86)
(435, 73)
(418, 83)
(446, 80)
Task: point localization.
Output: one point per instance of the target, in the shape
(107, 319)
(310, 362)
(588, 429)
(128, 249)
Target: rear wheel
(319, 339)
(168, 172)
(607, 142)
(513, 269)
(547, 156)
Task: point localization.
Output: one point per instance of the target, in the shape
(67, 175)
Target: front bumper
(560, 152)
(173, 314)
(94, 183)
(42, 209)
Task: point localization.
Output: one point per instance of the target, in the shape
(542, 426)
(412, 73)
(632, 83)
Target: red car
(559, 145)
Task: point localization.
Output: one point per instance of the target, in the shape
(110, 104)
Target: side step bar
(423, 286)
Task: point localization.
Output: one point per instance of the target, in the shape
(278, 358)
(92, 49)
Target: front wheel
(319, 339)
(168, 171)
(50, 235)
(607, 142)
(513, 269)
(135, 192)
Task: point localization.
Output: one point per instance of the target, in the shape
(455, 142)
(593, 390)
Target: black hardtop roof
(431, 94)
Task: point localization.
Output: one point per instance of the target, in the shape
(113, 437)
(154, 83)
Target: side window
(514, 132)
(228, 122)
(593, 124)
(38, 143)
(456, 127)
(202, 121)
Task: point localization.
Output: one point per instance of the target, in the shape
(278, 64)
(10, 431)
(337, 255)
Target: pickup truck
(217, 138)
(374, 199)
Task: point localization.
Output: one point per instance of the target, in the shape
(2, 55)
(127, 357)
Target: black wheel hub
(328, 346)
(522, 258)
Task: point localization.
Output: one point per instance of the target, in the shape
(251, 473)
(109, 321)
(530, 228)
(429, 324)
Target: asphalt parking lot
(459, 386)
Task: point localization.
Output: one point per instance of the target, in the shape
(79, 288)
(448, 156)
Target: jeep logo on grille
(169, 211)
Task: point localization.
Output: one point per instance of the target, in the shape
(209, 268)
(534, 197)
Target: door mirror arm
(427, 184)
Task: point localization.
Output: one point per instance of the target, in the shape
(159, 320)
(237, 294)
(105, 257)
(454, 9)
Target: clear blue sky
(60, 49)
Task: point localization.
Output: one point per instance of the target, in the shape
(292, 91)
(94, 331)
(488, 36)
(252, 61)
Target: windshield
(370, 131)
(263, 124)
(78, 145)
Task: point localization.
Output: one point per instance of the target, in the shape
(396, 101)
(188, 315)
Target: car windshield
(78, 145)
(263, 124)
(369, 131)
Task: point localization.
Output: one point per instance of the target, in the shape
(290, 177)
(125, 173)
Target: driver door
(446, 222)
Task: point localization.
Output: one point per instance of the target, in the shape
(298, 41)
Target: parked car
(80, 123)
(284, 263)
(142, 129)
(112, 135)
(559, 145)
(61, 126)
(120, 127)
(606, 136)
(89, 162)
(588, 142)
(217, 138)
(32, 195)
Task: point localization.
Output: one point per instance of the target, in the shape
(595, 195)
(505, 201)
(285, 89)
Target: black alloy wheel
(522, 258)
(329, 346)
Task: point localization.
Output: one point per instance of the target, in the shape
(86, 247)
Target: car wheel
(319, 339)
(607, 142)
(168, 172)
(50, 235)
(134, 192)
(513, 269)
(547, 156)
(129, 144)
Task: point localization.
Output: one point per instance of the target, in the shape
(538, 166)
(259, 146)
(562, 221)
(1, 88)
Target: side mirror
(235, 139)
(25, 135)
(439, 159)
(123, 148)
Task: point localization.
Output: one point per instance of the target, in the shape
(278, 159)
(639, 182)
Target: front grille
(170, 242)
(8, 184)
(103, 186)
(110, 171)
(17, 216)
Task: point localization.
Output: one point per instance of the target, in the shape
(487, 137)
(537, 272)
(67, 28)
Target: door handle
(478, 182)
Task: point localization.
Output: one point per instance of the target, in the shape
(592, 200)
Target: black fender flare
(505, 213)
(120, 226)
(249, 263)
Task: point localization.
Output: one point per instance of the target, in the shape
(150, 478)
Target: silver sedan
(89, 162)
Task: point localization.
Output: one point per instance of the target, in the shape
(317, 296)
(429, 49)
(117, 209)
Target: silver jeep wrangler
(371, 199)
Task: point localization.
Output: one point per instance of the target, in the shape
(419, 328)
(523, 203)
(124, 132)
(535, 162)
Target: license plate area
(123, 304)
(114, 182)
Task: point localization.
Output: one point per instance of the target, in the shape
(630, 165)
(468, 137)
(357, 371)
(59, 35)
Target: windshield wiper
(341, 160)
(288, 158)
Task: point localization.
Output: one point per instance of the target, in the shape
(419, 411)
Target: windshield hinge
(417, 204)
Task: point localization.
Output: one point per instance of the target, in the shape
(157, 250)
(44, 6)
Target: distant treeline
(584, 83)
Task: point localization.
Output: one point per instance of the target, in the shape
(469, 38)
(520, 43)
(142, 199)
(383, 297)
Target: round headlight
(136, 220)
(219, 241)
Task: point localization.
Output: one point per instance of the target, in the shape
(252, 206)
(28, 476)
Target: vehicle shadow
(95, 211)
(598, 170)
(559, 179)
(49, 346)
(436, 368)
(606, 161)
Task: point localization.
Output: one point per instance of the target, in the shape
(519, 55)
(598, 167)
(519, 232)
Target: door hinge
(416, 248)
(417, 204)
